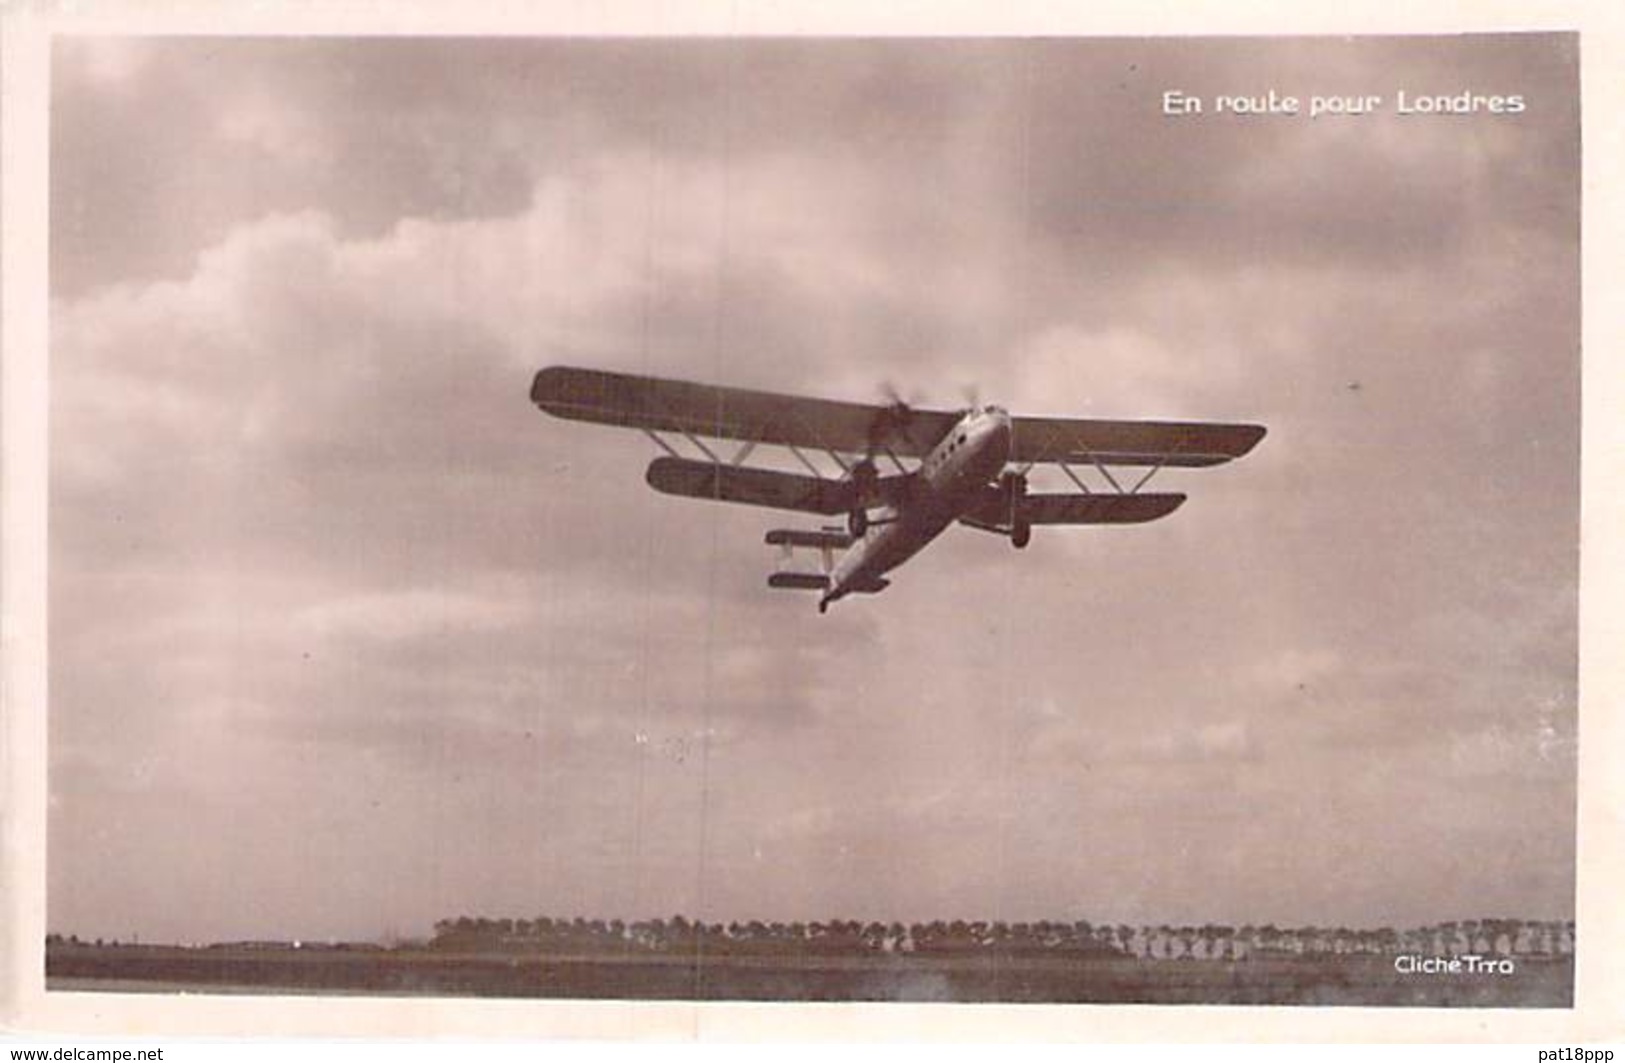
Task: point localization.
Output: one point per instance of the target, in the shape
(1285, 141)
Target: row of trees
(1486, 937)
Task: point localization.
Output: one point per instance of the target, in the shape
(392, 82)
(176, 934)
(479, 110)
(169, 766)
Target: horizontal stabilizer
(817, 540)
(751, 487)
(798, 581)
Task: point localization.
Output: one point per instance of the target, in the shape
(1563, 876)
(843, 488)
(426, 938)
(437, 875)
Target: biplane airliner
(968, 466)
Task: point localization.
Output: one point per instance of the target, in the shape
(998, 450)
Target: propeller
(893, 420)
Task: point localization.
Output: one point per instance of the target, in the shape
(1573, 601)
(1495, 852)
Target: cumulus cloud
(322, 576)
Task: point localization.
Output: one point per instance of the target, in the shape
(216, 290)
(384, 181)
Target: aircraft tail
(827, 542)
(799, 581)
(830, 539)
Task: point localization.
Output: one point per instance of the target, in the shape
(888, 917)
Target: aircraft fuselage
(946, 486)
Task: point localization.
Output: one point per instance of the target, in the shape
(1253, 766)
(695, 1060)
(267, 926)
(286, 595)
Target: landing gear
(1021, 529)
(865, 485)
(823, 606)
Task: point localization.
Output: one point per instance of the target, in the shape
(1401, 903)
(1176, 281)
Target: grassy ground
(1353, 980)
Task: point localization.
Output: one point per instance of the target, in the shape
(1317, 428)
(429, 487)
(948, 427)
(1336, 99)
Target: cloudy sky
(346, 637)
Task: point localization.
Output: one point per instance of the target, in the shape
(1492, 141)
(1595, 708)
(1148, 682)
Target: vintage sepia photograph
(1038, 519)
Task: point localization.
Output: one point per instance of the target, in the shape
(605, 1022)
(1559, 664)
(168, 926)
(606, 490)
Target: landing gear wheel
(857, 522)
(1021, 531)
(823, 606)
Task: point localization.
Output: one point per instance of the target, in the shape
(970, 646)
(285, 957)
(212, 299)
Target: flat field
(1359, 980)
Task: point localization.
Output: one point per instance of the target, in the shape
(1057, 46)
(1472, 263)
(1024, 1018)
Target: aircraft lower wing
(751, 487)
(994, 509)
(1080, 441)
(659, 405)
(767, 487)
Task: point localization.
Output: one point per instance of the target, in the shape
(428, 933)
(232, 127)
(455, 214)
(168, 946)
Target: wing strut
(1070, 475)
(703, 449)
(1179, 443)
(1094, 459)
(667, 447)
(1107, 473)
(803, 459)
(1142, 481)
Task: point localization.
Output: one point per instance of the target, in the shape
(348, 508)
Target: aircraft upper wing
(1079, 441)
(659, 405)
(735, 413)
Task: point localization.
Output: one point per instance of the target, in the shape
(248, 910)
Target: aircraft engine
(866, 479)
